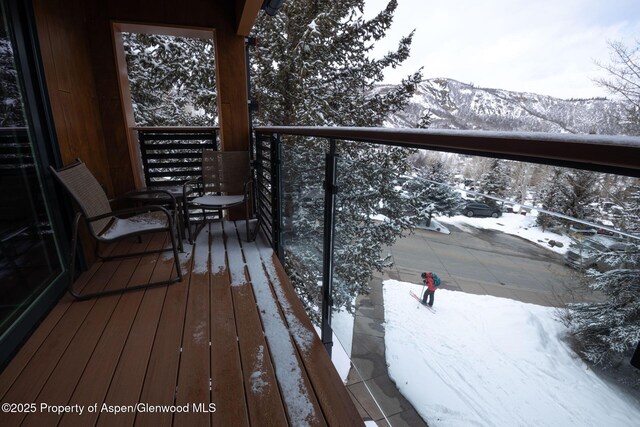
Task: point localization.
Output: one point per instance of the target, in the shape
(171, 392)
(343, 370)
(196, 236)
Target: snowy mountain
(456, 105)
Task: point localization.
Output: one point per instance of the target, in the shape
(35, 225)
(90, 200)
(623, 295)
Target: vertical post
(330, 191)
(249, 42)
(635, 359)
(276, 196)
(142, 140)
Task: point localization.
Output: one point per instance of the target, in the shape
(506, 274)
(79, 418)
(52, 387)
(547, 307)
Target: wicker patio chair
(225, 183)
(107, 226)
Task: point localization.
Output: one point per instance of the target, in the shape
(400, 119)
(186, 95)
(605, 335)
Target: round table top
(174, 190)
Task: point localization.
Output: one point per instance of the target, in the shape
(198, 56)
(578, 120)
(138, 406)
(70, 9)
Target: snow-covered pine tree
(425, 120)
(172, 80)
(552, 197)
(495, 182)
(429, 195)
(631, 219)
(608, 331)
(579, 192)
(312, 66)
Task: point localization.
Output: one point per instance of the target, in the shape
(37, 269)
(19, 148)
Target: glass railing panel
(538, 292)
(302, 217)
(525, 256)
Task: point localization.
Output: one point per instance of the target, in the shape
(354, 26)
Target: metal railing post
(145, 158)
(330, 191)
(276, 196)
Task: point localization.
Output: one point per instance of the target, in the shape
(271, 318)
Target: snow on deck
(287, 367)
(488, 361)
(236, 269)
(201, 253)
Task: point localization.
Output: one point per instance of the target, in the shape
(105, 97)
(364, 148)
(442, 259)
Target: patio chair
(225, 183)
(108, 226)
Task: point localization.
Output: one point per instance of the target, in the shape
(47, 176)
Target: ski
(431, 309)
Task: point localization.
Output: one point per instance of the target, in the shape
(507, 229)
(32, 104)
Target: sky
(541, 46)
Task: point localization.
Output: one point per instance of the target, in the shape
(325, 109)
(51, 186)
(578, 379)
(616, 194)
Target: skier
(432, 282)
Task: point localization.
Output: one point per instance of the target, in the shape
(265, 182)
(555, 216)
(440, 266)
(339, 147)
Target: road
(486, 262)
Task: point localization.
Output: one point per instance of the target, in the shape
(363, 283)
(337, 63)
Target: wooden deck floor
(229, 345)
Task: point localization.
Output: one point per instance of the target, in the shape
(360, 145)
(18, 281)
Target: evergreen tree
(609, 330)
(631, 221)
(578, 193)
(425, 120)
(552, 197)
(312, 66)
(495, 182)
(430, 194)
(172, 80)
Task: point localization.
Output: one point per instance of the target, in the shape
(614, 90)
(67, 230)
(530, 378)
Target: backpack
(436, 279)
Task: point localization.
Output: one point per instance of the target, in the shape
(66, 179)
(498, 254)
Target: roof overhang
(247, 13)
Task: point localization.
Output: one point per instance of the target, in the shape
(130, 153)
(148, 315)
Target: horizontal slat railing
(173, 155)
(602, 153)
(267, 188)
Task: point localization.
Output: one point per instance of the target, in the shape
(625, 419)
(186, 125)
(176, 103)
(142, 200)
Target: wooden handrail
(602, 153)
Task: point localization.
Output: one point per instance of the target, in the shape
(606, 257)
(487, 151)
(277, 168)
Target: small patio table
(159, 198)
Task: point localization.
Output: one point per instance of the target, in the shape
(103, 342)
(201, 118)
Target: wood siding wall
(66, 56)
(82, 76)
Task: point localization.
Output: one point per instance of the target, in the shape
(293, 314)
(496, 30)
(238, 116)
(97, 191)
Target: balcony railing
(609, 154)
(612, 154)
(173, 155)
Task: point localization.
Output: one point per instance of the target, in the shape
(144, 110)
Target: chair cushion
(217, 201)
(149, 221)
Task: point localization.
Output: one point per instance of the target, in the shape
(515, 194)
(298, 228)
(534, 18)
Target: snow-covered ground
(511, 223)
(488, 361)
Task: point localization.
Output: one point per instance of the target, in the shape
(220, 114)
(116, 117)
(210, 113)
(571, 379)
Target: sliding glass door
(31, 262)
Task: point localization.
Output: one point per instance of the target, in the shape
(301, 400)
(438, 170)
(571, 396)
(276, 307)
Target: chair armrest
(187, 184)
(246, 185)
(130, 211)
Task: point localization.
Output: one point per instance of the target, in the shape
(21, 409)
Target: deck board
(226, 370)
(297, 393)
(29, 349)
(264, 402)
(97, 376)
(26, 388)
(63, 380)
(193, 374)
(197, 342)
(159, 380)
(336, 403)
